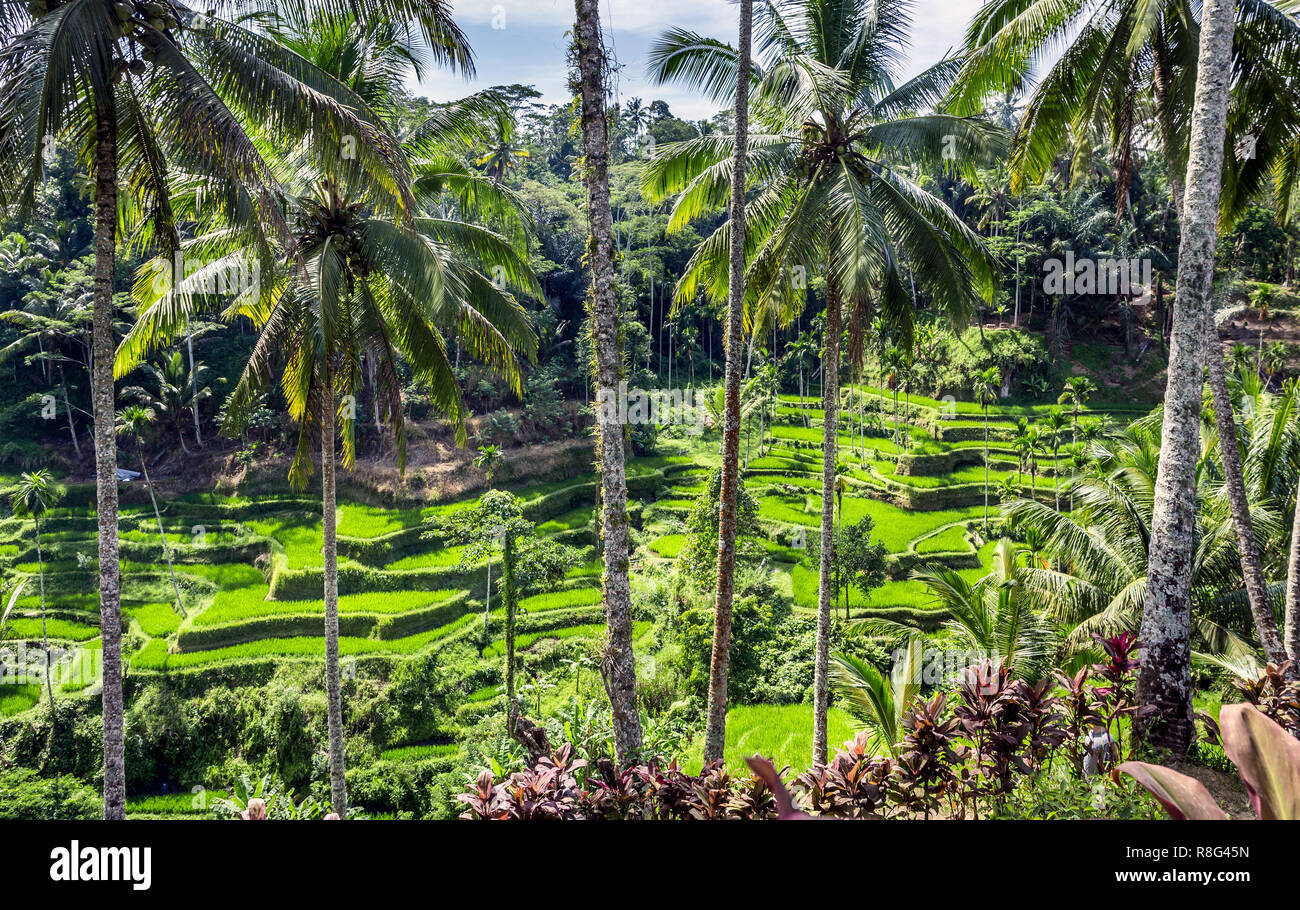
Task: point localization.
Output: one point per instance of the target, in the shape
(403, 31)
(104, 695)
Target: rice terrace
(395, 431)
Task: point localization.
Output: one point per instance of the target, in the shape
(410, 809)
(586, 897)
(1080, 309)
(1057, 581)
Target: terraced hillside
(250, 568)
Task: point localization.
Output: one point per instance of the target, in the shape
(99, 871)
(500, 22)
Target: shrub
(26, 796)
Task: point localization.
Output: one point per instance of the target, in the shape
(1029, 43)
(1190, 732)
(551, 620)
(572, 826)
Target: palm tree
(175, 393)
(986, 392)
(503, 153)
(49, 323)
(133, 421)
(1054, 424)
(1252, 569)
(364, 272)
(489, 459)
(620, 661)
(875, 700)
(1077, 391)
(636, 115)
(33, 497)
(994, 615)
(832, 195)
(149, 97)
(715, 734)
(1099, 552)
(1164, 680)
(1092, 67)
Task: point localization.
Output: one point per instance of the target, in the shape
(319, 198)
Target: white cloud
(531, 47)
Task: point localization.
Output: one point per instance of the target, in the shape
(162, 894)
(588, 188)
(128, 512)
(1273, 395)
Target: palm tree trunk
(103, 395)
(619, 663)
(1251, 569)
(986, 470)
(1293, 590)
(45, 635)
(1164, 680)
(508, 593)
(329, 517)
(826, 580)
(144, 469)
(715, 730)
(67, 406)
(194, 391)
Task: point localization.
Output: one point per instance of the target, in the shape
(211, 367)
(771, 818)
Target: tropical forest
(738, 410)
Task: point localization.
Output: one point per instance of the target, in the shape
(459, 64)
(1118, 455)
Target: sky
(524, 41)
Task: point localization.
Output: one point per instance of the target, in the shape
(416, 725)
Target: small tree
(858, 561)
(489, 459)
(35, 496)
(132, 421)
(699, 558)
(528, 562)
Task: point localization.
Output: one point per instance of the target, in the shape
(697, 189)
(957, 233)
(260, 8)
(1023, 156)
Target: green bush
(26, 796)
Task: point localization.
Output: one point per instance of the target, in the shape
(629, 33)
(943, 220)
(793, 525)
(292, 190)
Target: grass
(164, 804)
(416, 753)
(18, 697)
(950, 540)
(780, 732)
(28, 629)
(894, 527)
(670, 545)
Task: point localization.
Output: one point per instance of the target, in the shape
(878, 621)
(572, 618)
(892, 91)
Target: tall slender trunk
(194, 387)
(715, 732)
(144, 469)
(826, 571)
(67, 406)
(619, 665)
(103, 395)
(986, 470)
(329, 516)
(1251, 569)
(1293, 589)
(45, 635)
(1164, 680)
(508, 594)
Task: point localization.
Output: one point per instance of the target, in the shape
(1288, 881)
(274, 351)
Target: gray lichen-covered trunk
(45, 634)
(1164, 681)
(1251, 568)
(1293, 590)
(103, 397)
(619, 664)
(826, 576)
(715, 734)
(329, 517)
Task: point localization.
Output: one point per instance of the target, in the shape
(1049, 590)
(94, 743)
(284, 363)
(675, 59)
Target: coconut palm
(986, 392)
(33, 497)
(828, 160)
(1165, 678)
(363, 271)
(1077, 391)
(995, 615)
(715, 736)
(134, 422)
(503, 152)
(1101, 71)
(148, 91)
